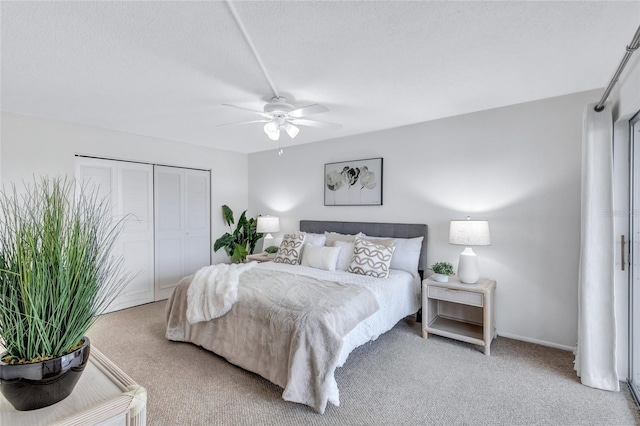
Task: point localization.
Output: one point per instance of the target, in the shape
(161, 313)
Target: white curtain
(595, 360)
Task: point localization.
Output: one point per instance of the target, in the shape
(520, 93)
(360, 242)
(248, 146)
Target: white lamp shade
(469, 233)
(291, 130)
(272, 129)
(275, 135)
(268, 224)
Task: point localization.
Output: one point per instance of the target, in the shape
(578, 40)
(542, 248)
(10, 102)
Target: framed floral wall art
(353, 183)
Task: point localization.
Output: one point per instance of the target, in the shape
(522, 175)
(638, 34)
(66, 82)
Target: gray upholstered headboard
(392, 230)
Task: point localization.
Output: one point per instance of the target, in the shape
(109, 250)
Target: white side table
(259, 257)
(460, 311)
(104, 395)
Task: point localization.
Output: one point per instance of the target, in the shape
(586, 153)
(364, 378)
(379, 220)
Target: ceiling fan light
(291, 130)
(274, 136)
(271, 127)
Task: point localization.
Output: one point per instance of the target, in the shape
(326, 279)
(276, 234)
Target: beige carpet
(399, 379)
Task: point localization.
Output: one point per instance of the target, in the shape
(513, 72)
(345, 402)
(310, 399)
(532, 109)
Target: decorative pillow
(406, 256)
(371, 259)
(289, 250)
(320, 257)
(346, 253)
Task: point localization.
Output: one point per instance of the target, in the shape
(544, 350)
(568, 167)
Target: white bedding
(398, 296)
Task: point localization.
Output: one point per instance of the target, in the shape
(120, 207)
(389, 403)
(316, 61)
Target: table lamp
(469, 233)
(266, 225)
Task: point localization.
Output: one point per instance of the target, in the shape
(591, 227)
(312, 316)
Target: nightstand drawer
(457, 296)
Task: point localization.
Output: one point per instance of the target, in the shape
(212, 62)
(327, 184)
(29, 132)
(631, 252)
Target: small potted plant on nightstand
(441, 271)
(271, 251)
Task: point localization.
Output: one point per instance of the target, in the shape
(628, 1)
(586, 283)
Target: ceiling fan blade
(308, 110)
(243, 122)
(249, 109)
(315, 123)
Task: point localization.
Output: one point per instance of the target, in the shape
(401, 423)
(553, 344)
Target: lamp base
(267, 241)
(468, 271)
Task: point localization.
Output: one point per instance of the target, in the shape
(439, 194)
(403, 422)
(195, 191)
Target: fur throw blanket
(214, 290)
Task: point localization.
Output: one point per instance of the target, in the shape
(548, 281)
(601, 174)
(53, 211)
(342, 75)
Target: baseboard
(536, 341)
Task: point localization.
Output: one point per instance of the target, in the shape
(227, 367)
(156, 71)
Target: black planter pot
(38, 385)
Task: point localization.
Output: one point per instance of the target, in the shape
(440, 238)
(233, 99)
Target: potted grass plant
(57, 275)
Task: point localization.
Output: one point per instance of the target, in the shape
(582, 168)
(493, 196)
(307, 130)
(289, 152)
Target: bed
(294, 324)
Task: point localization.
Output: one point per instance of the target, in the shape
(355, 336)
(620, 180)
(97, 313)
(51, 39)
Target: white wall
(0, 151)
(33, 146)
(625, 103)
(518, 166)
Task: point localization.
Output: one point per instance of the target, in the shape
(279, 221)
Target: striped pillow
(290, 248)
(371, 259)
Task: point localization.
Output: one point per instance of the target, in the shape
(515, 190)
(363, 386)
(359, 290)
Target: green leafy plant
(56, 270)
(271, 249)
(444, 268)
(241, 242)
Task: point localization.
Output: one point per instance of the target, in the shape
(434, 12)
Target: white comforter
(398, 296)
(252, 338)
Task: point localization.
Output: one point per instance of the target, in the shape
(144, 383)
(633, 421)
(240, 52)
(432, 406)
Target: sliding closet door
(169, 263)
(634, 288)
(128, 189)
(183, 225)
(198, 220)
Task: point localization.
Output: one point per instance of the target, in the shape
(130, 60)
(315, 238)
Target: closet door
(182, 225)
(128, 187)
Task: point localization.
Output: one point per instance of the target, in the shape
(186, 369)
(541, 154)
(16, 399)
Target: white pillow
(315, 239)
(320, 257)
(311, 239)
(346, 253)
(407, 254)
(371, 259)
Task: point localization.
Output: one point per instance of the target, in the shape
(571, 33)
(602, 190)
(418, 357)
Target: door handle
(622, 251)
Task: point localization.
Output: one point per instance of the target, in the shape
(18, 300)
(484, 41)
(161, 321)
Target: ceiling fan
(278, 115)
(281, 116)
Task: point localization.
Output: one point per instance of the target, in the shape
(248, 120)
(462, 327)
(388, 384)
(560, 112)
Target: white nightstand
(259, 257)
(460, 311)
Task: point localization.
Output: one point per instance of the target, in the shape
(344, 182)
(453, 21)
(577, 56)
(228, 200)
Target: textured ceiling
(164, 69)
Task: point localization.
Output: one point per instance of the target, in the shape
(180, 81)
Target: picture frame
(353, 183)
